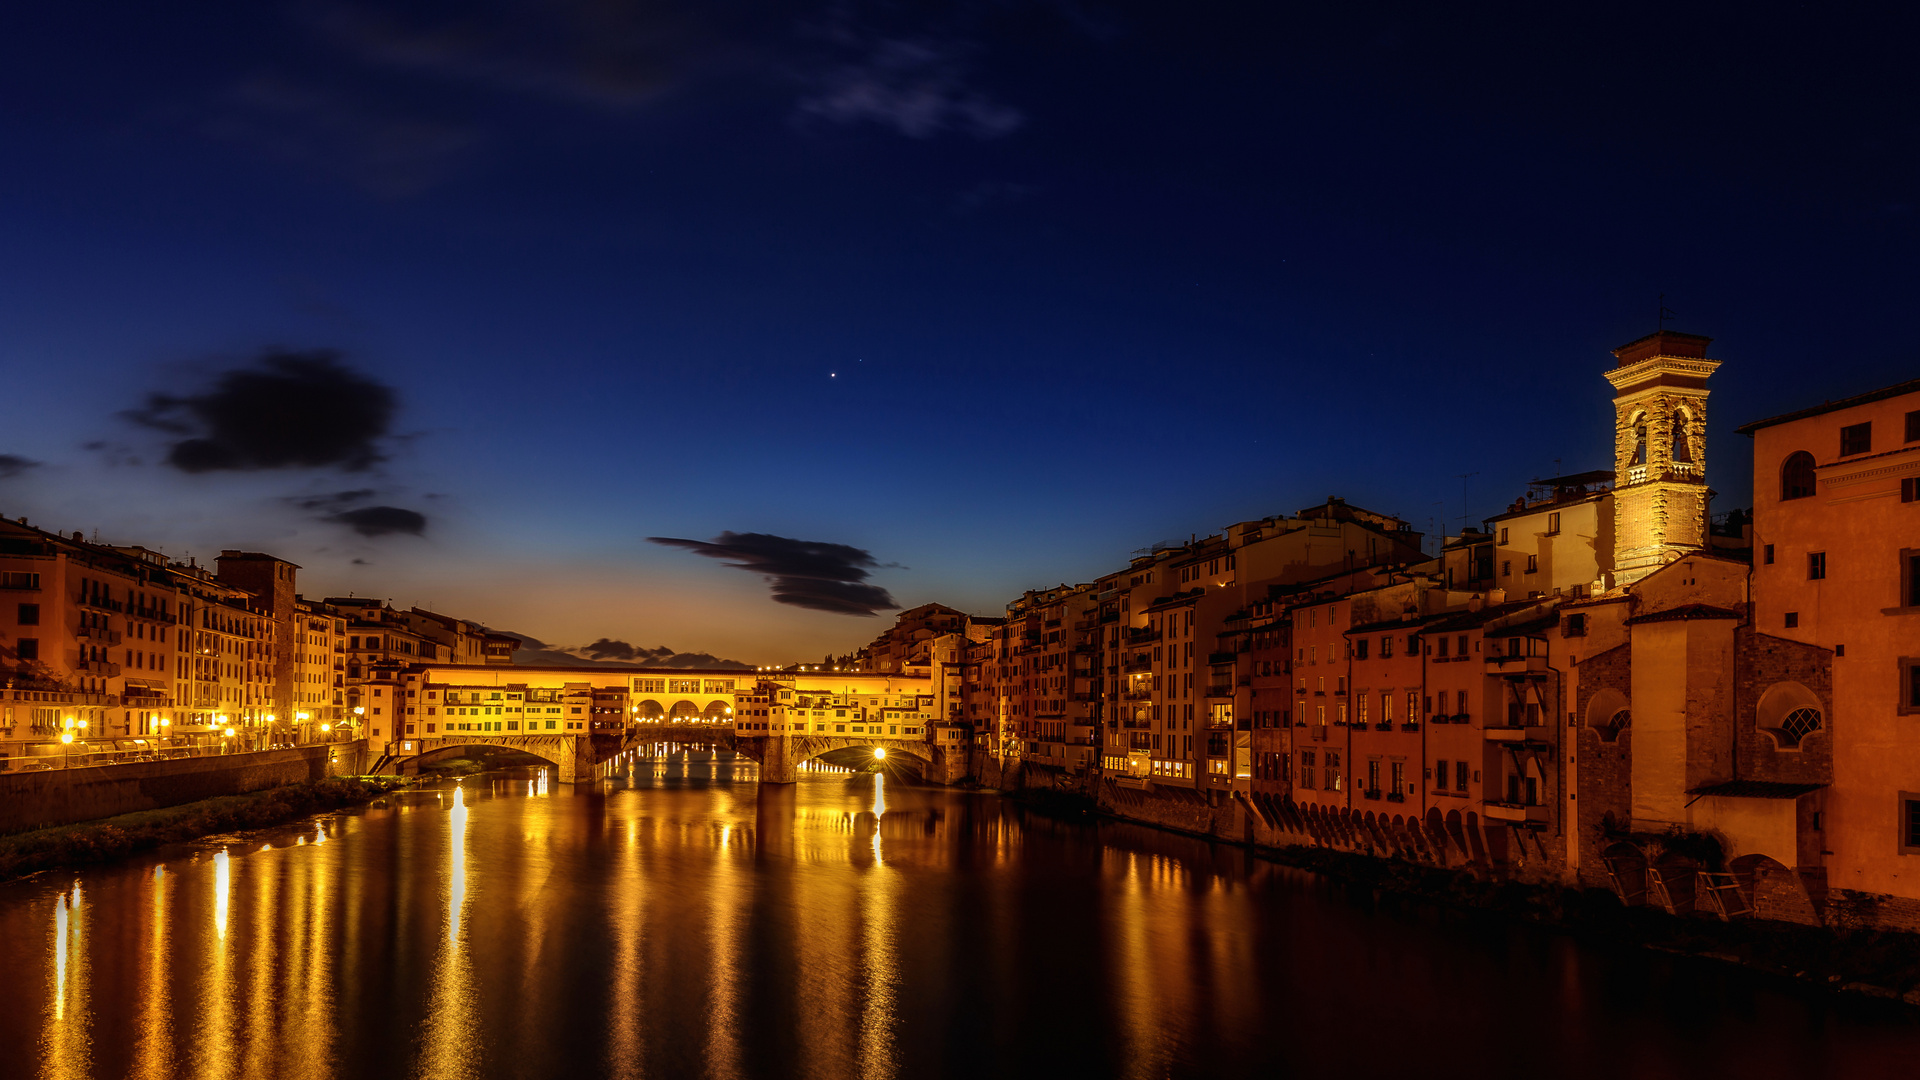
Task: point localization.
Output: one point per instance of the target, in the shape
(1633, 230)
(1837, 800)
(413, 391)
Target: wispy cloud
(609, 54)
(805, 573)
(919, 87)
(381, 521)
(12, 465)
(381, 146)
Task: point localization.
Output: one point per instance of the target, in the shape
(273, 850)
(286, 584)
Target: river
(675, 922)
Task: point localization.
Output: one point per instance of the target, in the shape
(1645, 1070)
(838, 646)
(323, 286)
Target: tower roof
(1663, 343)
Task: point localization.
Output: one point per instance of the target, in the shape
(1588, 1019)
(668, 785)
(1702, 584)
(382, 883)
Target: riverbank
(1881, 964)
(93, 842)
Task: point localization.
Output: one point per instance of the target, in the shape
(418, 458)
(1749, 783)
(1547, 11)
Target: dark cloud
(612, 652)
(804, 573)
(12, 465)
(291, 410)
(381, 520)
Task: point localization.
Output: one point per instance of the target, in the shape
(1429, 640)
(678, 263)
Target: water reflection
(877, 1015)
(153, 1054)
(449, 1049)
(845, 926)
(66, 1048)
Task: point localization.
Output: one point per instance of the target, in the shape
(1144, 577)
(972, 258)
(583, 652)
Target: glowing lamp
(879, 752)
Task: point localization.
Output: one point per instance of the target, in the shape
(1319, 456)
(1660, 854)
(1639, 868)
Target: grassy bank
(92, 842)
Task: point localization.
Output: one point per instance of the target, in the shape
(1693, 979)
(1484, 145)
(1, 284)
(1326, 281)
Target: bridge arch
(683, 709)
(717, 709)
(452, 750)
(649, 709)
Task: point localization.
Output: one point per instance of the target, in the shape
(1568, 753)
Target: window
(1816, 565)
(1766, 554)
(1533, 564)
(1459, 776)
(1503, 536)
(1506, 568)
(29, 614)
(1639, 440)
(1553, 523)
(1796, 476)
(1386, 646)
(1913, 426)
(1576, 626)
(1442, 641)
(1909, 685)
(27, 648)
(1682, 449)
(1856, 438)
(1359, 648)
(1399, 778)
(1910, 574)
(1910, 489)
(1909, 823)
(1440, 776)
(1797, 725)
(1792, 620)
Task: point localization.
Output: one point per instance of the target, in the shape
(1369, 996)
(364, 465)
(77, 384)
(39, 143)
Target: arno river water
(670, 925)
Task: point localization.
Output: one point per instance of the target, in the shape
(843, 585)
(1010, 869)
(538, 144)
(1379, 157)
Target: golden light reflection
(451, 1044)
(222, 883)
(879, 955)
(215, 1040)
(723, 1045)
(66, 1044)
(153, 1054)
(626, 906)
(261, 1029)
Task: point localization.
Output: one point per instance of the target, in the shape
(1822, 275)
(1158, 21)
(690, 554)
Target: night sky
(863, 305)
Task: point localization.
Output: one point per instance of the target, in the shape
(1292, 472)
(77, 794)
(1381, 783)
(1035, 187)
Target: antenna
(1665, 312)
(1464, 512)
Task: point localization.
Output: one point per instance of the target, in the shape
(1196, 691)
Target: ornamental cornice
(1653, 366)
(1878, 471)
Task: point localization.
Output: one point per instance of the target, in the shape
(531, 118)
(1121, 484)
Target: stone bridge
(573, 756)
(780, 755)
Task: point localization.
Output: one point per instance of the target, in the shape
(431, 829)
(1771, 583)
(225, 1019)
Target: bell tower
(1659, 451)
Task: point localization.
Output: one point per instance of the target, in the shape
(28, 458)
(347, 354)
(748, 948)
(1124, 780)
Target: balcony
(1515, 813)
(1518, 736)
(1374, 794)
(98, 667)
(1396, 796)
(1220, 690)
(1516, 665)
(95, 633)
(1222, 657)
(1142, 637)
(1137, 664)
(1137, 695)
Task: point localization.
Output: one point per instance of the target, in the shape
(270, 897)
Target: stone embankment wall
(45, 798)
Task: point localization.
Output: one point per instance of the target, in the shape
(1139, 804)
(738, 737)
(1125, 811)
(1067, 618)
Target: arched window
(1790, 713)
(1796, 476)
(1639, 440)
(1682, 449)
(1608, 713)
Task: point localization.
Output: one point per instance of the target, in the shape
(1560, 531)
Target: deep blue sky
(997, 292)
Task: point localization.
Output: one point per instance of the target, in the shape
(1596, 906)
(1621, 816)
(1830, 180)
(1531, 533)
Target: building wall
(1856, 519)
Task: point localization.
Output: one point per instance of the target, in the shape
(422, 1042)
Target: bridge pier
(779, 762)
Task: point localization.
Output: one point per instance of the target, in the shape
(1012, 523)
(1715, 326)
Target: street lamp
(879, 752)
